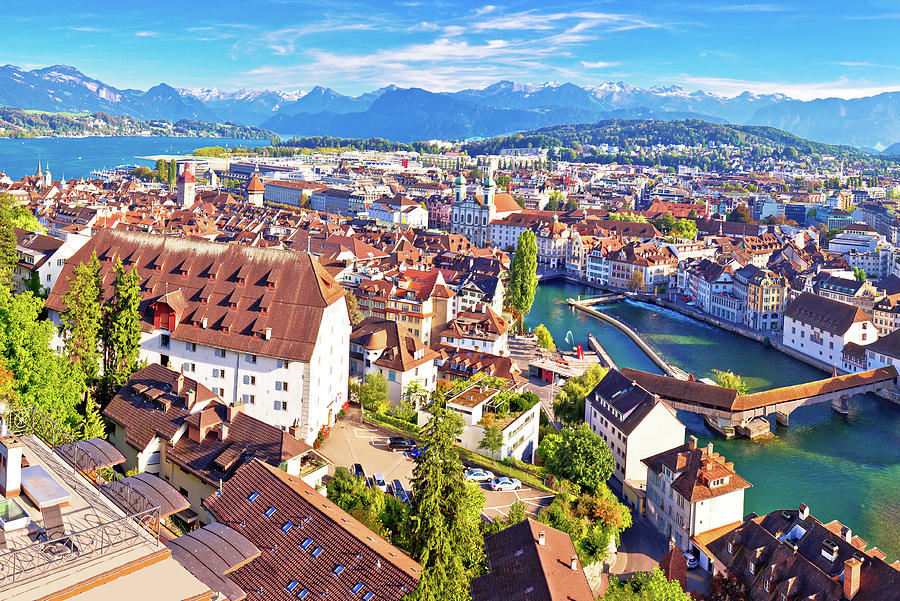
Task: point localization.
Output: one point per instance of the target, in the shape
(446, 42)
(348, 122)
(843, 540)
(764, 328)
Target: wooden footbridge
(725, 406)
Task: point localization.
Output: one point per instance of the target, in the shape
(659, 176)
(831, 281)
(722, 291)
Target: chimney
(846, 533)
(204, 323)
(190, 397)
(692, 442)
(709, 449)
(573, 563)
(542, 538)
(851, 577)
(268, 333)
(233, 410)
(804, 511)
(179, 381)
(11, 451)
(223, 431)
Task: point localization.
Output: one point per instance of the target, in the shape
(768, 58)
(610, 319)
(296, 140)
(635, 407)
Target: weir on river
(843, 467)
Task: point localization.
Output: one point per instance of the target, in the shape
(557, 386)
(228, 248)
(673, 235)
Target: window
(249, 399)
(302, 594)
(250, 358)
(281, 386)
(164, 340)
(291, 586)
(190, 346)
(184, 492)
(250, 380)
(357, 587)
(220, 353)
(270, 511)
(283, 363)
(287, 527)
(253, 496)
(218, 373)
(317, 552)
(280, 405)
(338, 570)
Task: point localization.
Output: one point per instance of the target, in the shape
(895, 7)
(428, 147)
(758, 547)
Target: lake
(74, 158)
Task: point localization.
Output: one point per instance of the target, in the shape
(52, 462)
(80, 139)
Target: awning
(144, 491)
(211, 553)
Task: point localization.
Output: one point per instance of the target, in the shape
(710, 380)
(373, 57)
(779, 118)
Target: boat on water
(114, 173)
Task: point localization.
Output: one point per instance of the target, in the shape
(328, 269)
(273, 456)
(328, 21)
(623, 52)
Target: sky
(805, 49)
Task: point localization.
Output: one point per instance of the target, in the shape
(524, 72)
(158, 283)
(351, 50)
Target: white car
(378, 481)
(504, 483)
(476, 474)
(691, 561)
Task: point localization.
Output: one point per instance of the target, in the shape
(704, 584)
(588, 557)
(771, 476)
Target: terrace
(75, 518)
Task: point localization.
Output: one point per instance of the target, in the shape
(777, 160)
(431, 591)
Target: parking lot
(353, 441)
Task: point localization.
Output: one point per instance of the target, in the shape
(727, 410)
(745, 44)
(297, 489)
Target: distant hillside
(16, 123)
(629, 133)
(893, 149)
(872, 122)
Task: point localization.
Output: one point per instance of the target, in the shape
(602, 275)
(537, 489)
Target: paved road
(641, 548)
(524, 350)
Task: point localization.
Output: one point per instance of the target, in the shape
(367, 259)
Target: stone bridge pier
(841, 404)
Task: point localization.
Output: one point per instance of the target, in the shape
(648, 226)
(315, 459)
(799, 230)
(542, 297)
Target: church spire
(40, 172)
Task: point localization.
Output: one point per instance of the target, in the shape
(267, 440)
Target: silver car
(378, 481)
(503, 484)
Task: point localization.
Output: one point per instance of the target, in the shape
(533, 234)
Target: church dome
(460, 180)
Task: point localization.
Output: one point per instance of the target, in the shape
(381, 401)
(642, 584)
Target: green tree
(172, 173)
(93, 425)
(636, 280)
(14, 214)
(740, 214)
(571, 203)
(645, 586)
(9, 258)
(578, 455)
(445, 534)
(729, 379)
(373, 392)
(492, 440)
(41, 378)
(569, 402)
(81, 322)
(544, 338)
(121, 332)
(685, 228)
(665, 224)
(523, 278)
(356, 315)
(556, 201)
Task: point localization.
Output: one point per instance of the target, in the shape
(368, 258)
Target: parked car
(503, 483)
(359, 471)
(398, 491)
(416, 452)
(399, 443)
(476, 474)
(378, 481)
(691, 561)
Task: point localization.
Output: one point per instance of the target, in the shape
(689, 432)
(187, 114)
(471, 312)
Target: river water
(844, 467)
(77, 157)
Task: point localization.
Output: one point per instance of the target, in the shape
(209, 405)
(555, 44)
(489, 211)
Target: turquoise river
(844, 468)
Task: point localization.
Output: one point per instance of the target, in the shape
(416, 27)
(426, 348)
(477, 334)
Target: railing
(142, 516)
(42, 557)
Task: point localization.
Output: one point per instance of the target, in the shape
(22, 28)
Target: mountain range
(407, 114)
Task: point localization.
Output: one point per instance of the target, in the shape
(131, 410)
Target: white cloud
(146, 34)
(839, 88)
(599, 64)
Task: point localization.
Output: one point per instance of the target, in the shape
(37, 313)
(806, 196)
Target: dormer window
(730, 548)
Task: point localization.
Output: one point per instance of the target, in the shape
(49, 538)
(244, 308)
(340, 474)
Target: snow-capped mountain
(500, 107)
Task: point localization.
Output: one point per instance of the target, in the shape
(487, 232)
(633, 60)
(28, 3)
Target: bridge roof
(682, 390)
(811, 389)
(727, 399)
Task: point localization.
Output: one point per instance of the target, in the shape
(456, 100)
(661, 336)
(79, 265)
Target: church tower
(186, 186)
(460, 188)
(48, 181)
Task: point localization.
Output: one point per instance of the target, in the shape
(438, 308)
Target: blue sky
(806, 49)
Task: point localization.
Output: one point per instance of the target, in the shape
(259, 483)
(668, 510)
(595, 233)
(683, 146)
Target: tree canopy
(578, 455)
(569, 402)
(645, 586)
(544, 338)
(445, 536)
(523, 278)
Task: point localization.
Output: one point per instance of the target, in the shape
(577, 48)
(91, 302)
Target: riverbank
(844, 467)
